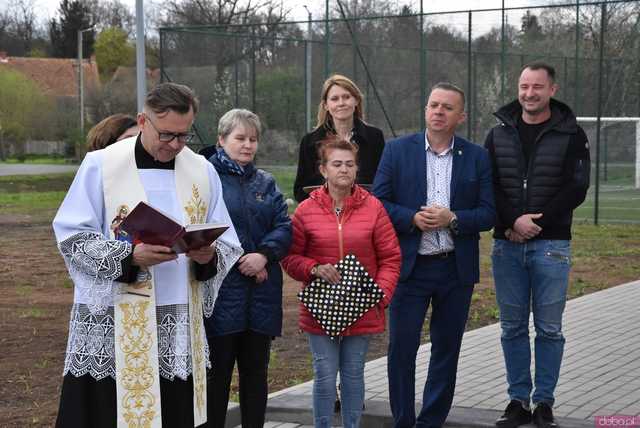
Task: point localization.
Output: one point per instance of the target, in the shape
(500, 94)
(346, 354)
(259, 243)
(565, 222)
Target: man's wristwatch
(314, 270)
(453, 224)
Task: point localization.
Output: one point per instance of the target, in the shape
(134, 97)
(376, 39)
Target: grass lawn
(39, 159)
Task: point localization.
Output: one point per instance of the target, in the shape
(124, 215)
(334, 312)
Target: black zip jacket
(370, 141)
(554, 182)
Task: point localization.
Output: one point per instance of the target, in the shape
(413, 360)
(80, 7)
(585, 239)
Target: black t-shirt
(528, 135)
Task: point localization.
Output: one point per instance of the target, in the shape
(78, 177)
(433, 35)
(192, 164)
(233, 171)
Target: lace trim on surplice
(227, 255)
(91, 345)
(94, 263)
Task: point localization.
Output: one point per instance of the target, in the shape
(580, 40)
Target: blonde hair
(344, 82)
(235, 117)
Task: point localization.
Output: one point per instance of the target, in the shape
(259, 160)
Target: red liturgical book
(151, 226)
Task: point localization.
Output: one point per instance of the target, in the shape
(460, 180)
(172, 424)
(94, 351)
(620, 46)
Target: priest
(137, 351)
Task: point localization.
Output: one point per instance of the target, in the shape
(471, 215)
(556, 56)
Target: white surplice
(82, 229)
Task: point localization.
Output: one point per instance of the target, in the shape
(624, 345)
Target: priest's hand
(202, 255)
(252, 263)
(149, 255)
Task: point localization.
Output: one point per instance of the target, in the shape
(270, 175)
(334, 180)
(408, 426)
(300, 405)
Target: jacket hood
(356, 199)
(562, 117)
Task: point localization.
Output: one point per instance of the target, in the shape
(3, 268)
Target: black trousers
(251, 351)
(89, 403)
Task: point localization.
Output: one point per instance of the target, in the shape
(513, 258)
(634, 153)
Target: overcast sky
(47, 8)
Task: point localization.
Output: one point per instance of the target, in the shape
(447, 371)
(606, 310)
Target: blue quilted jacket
(259, 215)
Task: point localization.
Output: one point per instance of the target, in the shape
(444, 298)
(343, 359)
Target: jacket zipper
(340, 244)
(524, 194)
(249, 288)
(529, 166)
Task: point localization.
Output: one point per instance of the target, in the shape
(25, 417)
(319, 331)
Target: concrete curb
(298, 409)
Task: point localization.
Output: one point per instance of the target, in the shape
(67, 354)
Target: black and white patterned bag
(337, 306)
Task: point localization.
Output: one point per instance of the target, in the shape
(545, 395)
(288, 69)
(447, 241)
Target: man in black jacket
(540, 159)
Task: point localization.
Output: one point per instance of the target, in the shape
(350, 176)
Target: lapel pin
(459, 152)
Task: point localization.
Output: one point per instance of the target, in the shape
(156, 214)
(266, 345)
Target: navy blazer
(401, 185)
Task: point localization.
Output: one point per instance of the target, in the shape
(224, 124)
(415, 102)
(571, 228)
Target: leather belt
(438, 256)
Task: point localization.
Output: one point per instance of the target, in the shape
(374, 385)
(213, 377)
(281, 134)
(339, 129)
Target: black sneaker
(543, 416)
(514, 415)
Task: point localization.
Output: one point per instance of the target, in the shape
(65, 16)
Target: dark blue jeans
(532, 277)
(433, 281)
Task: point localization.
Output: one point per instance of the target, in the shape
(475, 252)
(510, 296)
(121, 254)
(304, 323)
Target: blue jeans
(432, 282)
(346, 354)
(532, 277)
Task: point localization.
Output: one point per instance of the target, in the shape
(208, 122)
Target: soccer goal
(616, 197)
(631, 128)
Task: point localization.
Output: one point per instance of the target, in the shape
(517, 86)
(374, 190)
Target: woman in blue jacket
(248, 311)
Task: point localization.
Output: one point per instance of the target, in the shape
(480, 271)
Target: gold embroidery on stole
(196, 210)
(138, 374)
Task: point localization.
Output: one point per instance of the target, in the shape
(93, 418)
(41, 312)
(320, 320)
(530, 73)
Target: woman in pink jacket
(342, 218)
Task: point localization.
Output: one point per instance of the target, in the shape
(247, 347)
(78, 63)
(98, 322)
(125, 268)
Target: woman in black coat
(340, 113)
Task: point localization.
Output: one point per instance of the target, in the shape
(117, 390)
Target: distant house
(126, 77)
(57, 77)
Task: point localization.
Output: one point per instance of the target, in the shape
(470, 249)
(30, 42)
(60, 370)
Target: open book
(149, 225)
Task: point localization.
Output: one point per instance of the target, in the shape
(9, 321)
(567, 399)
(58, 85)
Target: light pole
(308, 72)
(141, 68)
(80, 84)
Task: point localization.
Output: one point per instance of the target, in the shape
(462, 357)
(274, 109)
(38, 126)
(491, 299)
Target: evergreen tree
(73, 15)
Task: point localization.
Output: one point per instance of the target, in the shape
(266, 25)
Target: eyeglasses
(167, 137)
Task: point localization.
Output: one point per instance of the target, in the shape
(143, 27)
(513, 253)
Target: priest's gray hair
(171, 96)
(235, 117)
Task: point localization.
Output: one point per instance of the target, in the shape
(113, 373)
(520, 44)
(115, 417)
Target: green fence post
(469, 73)
(603, 23)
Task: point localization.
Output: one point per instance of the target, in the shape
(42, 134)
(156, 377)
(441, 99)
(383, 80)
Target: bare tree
(19, 30)
(112, 13)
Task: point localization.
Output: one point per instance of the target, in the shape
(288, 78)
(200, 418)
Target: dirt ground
(35, 299)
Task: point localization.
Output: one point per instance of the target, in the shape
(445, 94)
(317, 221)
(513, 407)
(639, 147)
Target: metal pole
(473, 95)
(469, 73)
(638, 154)
(576, 79)
(141, 68)
(423, 68)
(603, 18)
(326, 39)
(354, 43)
(566, 76)
(503, 47)
(307, 66)
(161, 35)
(253, 69)
(236, 73)
(605, 143)
(80, 88)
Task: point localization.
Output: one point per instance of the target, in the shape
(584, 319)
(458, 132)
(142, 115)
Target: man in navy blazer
(437, 190)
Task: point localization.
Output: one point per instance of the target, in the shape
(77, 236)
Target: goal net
(618, 168)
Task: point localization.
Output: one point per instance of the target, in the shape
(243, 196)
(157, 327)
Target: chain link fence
(278, 70)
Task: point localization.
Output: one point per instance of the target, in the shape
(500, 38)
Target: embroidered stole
(136, 334)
